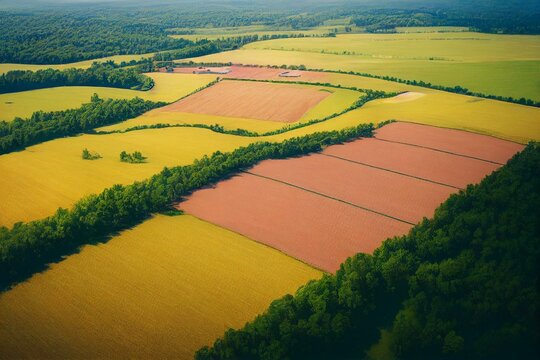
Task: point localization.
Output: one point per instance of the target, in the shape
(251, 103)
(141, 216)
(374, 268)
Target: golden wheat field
(161, 290)
(167, 87)
(38, 180)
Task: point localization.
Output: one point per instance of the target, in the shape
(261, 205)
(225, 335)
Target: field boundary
(392, 171)
(439, 150)
(330, 197)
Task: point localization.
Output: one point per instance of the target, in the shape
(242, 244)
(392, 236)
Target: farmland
(41, 170)
(300, 210)
(275, 102)
(361, 187)
(192, 273)
(493, 64)
(166, 88)
(37, 181)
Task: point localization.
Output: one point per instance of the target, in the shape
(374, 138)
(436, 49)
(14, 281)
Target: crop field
(263, 101)
(361, 185)
(436, 166)
(44, 177)
(38, 180)
(297, 222)
(160, 290)
(323, 208)
(505, 65)
(80, 64)
(168, 87)
(496, 118)
(452, 141)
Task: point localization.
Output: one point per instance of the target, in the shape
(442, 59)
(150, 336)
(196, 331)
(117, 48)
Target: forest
(99, 74)
(44, 126)
(29, 247)
(63, 34)
(462, 285)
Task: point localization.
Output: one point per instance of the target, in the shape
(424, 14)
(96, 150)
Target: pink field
(395, 195)
(454, 141)
(252, 100)
(320, 231)
(323, 208)
(428, 164)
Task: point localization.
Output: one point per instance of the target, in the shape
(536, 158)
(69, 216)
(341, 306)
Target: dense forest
(62, 34)
(44, 126)
(99, 74)
(27, 248)
(386, 21)
(463, 285)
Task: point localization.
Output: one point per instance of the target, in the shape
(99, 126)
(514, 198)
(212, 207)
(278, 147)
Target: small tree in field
(133, 158)
(88, 155)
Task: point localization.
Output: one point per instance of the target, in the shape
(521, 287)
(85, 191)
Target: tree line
(207, 47)
(44, 126)
(28, 247)
(462, 285)
(106, 74)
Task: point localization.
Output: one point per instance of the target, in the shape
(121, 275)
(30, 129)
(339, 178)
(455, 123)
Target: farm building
(208, 70)
(291, 73)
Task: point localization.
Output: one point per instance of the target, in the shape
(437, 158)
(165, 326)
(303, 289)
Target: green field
(505, 65)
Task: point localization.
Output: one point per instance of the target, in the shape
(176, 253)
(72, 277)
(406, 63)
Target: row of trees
(44, 126)
(206, 47)
(27, 248)
(99, 74)
(463, 285)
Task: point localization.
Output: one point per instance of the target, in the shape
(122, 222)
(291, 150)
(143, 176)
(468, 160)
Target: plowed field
(323, 208)
(263, 101)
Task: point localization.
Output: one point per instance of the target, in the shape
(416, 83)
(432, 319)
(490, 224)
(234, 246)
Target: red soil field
(315, 229)
(399, 196)
(427, 164)
(322, 208)
(454, 141)
(252, 100)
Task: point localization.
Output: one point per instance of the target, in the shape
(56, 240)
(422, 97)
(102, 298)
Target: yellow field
(339, 100)
(161, 290)
(506, 65)
(38, 180)
(501, 119)
(168, 87)
(80, 64)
